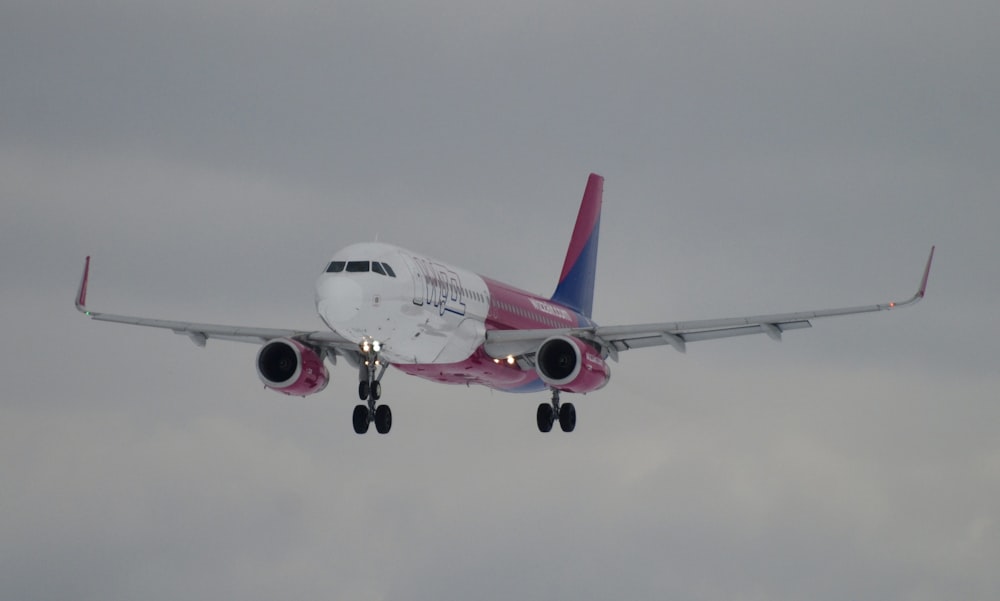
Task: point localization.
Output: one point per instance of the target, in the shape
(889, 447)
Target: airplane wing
(200, 333)
(614, 339)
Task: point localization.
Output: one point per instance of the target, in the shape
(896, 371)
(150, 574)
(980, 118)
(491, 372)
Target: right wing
(200, 333)
(614, 339)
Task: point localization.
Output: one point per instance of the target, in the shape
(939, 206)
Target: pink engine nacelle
(290, 367)
(571, 365)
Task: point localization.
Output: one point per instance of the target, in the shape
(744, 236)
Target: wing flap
(202, 331)
(678, 339)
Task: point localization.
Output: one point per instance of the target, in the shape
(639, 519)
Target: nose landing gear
(370, 374)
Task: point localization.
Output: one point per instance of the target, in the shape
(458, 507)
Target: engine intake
(571, 365)
(292, 368)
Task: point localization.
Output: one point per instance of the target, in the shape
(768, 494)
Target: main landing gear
(370, 389)
(549, 412)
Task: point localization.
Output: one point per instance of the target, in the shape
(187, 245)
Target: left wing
(200, 333)
(614, 339)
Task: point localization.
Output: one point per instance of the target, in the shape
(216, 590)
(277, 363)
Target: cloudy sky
(759, 157)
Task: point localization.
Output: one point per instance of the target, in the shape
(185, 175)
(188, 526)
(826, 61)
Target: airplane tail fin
(576, 283)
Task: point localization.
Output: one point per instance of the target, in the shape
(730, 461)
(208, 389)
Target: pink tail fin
(576, 283)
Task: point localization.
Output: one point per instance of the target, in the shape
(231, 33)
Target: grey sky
(758, 157)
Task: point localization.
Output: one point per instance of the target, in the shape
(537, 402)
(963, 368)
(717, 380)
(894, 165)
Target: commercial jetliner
(386, 305)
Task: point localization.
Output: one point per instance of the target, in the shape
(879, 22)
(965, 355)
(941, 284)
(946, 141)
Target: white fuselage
(420, 310)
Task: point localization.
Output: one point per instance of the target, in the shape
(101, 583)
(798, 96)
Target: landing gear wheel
(383, 419)
(364, 390)
(545, 417)
(360, 419)
(376, 390)
(567, 417)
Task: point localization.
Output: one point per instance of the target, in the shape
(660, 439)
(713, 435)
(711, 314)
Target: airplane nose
(338, 299)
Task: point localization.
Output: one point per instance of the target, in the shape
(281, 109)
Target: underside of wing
(200, 333)
(614, 339)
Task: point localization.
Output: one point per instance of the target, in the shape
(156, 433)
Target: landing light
(376, 346)
(510, 360)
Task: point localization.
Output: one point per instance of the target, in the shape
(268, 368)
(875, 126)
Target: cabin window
(358, 266)
(335, 267)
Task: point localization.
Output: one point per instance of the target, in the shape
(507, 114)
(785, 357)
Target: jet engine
(571, 365)
(290, 367)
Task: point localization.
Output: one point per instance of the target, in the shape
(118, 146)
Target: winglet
(923, 285)
(927, 273)
(81, 293)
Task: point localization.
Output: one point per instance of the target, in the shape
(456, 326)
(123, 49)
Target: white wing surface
(200, 333)
(614, 339)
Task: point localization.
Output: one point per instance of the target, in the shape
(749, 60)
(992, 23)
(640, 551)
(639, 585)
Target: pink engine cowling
(571, 365)
(290, 367)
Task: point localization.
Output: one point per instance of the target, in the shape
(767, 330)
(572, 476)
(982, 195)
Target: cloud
(212, 156)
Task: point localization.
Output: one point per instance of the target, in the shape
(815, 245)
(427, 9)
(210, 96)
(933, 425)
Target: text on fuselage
(551, 310)
(442, 287)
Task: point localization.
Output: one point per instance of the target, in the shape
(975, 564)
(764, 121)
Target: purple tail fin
(576, 284)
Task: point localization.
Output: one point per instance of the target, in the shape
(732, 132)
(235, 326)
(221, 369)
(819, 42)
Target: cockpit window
(360, 267)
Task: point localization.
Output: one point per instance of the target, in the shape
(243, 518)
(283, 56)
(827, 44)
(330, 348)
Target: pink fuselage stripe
(515, 309)
(478, 369)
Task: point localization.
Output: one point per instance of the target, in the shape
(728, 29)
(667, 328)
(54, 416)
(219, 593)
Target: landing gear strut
(370, 389)
(549, 412)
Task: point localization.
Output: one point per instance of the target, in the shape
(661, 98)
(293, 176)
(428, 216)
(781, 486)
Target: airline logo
(595, 363)
(551, 310)
(442, 287)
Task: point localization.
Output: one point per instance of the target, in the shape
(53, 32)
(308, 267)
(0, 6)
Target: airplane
(384, 305)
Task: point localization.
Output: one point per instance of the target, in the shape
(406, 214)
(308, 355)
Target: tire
(383, 419)
(376, 390)
(363, 390)
(545, 417)
(360, 419)
(567, 417)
